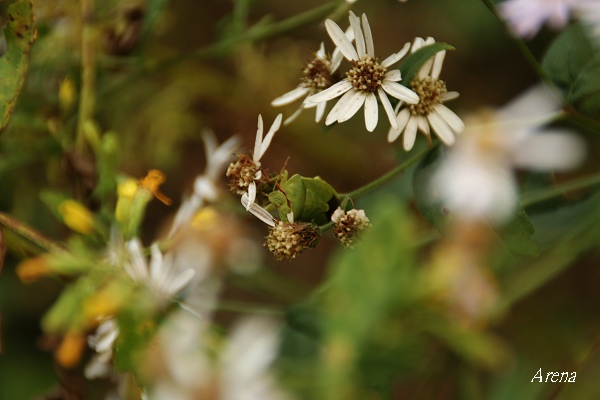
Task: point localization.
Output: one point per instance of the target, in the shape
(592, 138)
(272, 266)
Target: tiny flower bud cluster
(317, 74)
(287, 240)
(349, 226)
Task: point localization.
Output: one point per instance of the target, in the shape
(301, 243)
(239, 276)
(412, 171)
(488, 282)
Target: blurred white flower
(429, 113)
(205, 187)
(245, 362)
(476, 178)
(159, 275)
(320, 73)
(102, 341)
(528, 16)
(588, 11)
(366, 77)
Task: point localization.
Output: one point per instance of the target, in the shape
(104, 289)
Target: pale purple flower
(527, 16)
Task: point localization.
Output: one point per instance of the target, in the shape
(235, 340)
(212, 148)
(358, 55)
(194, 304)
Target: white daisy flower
(476, 179)
(429, 113)
(366, 78)
(159, 274)
(246, 171)
(527, 16)
(320, 73)
(205, 187)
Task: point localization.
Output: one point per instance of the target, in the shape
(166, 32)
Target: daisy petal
(448, 96)
(410, 134)
(353, 104)
(401, 119)
(258, 211)
(267, 141)
(290, 97)
(425, 69)
(400, 92)
(358, 34)
(387, 106)
(437, 64)
(368, 36)
(295, 115)
(180, 281)
(453, 120)
(423, 125)
(339, 107)
(321, 52)
(441, 128)
(258, 140)
(320, 111)
(394, 58)
(393, 75)
(340, 40)
(371, 111)
(251, 194)
(330, 93)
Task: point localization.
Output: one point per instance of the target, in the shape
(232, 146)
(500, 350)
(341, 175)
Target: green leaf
(414, 61)
(573, 64)
(517, 234)
(20, 33)
(309, 198)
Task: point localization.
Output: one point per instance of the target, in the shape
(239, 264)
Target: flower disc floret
(241, 173)
(349, 226)
(287, 240)
(318, 75)
(430, 91)
(366, 74)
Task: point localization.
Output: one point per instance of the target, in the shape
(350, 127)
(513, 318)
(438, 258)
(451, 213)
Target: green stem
(387, 177)
(237, 307)
(559, 190)
(88, 73)
(523, 48)
(28, 233)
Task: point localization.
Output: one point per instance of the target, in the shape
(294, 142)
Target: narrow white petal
(387, 106)
(251, 194)
(258, 140)
(410, 133)
(425, 69)
(258, 211)
(400, 92)
(368, 36)
(267, 141)
(449, 96)
(156, 263)
(290, 97)
(353, 104)
(437, 64)
(358, 34)
(441, 128)
(295, 115)
(330, 93)
(321, 52)
(371, 111)
(340, 40)
(137, 268)
(180, 281)
(393, 75)
(417, 44)
(423, 125)
(395, 57)
(320, 111)
(401, 119)
(453, 120)
(339, 107)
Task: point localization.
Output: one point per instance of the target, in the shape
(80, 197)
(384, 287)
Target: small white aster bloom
(429, 114)
(365, 79)
(476, 179)
(159, 275)
(245, 172)
(527, 16)
(205, 186)
(320, 73)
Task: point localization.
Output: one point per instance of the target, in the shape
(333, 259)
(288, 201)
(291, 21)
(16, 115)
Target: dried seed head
(287, 240)
(241, 173)
(317, 74)
(366, 74)
(349, 226)
(430, 91)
